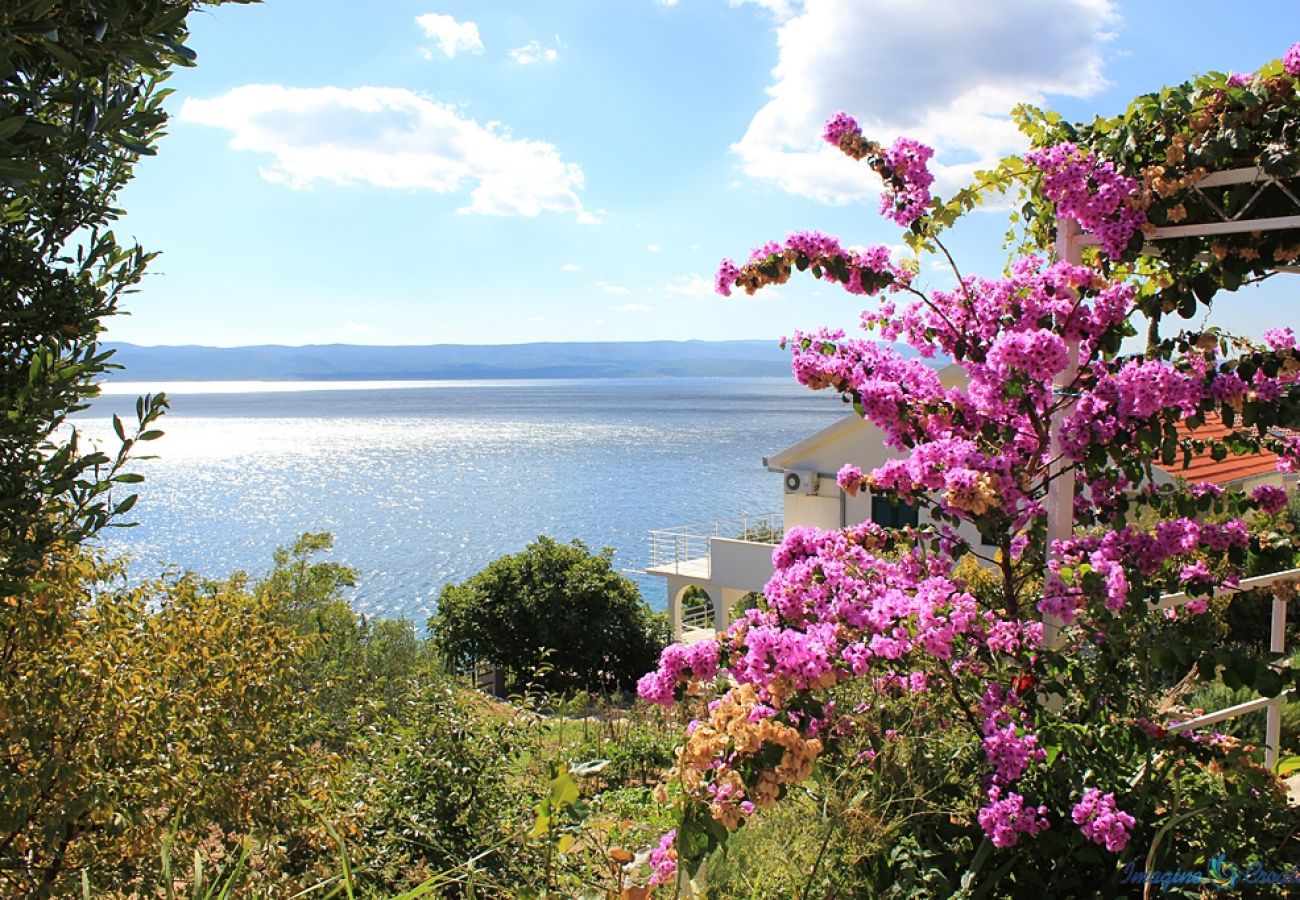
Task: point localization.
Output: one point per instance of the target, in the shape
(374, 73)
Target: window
(892, 513)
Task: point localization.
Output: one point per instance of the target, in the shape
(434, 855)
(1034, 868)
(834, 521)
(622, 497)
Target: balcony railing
(685, 545)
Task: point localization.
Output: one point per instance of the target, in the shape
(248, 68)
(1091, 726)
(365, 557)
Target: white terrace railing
(699, 616)
(675, 548)
(1276, 644)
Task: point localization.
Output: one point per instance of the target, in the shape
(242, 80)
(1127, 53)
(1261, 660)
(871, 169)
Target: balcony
(689, 550)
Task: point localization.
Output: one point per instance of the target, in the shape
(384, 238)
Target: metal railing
(675, 547)
(1272, 706)
(699, 616)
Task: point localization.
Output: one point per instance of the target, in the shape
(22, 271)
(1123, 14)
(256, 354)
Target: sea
(424, 483)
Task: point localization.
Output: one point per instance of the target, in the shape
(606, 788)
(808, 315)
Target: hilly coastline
(353, 362)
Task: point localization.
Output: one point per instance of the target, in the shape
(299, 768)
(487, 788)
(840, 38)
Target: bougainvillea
(1047, 391)
(1100, 820)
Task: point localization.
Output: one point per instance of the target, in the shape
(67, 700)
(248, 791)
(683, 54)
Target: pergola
(1070, 244)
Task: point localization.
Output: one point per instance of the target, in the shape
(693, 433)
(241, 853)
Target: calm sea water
(424, 483)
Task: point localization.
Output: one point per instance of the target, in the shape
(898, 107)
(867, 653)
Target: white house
(727, 560)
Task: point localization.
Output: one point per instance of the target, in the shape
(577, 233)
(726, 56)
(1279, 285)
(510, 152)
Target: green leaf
(541, 824)
(18, 171)
(11, 126)
(564, 790)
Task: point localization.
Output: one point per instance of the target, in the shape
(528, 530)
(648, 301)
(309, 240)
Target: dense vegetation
(262, 732)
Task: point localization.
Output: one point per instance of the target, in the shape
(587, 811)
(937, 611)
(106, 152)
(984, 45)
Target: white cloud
(615, 289)
(695, 286)
(570, 267)
(633, 307)
(653, 248)
(667, 2)
(533, 52)
(452, 36)
(782, 9)
(946, 72)
(392, 138)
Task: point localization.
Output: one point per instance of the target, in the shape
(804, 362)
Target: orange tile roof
(1231, 468)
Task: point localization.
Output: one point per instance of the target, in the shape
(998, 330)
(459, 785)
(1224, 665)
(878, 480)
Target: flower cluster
(741, 724)
(1010, 750)
(663, 860)
(843, 131)
(1101, 821)
(865, 271)
(1280, 339)
(903, 167)
(678, 665)
(1126, 396)
(1005, 819)
(1122, 551)
(1270, 499)
(907, 180)
(1092, 192)
(885, 384)
(1291, 60)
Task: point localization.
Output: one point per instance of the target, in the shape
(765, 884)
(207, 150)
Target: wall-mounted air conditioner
(799, 481)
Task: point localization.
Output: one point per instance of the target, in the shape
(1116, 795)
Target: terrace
(724, 560)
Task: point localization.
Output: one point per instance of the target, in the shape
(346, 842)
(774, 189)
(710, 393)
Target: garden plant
(1009, 729)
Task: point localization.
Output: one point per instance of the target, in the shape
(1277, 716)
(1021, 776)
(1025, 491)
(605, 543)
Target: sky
(488, 171)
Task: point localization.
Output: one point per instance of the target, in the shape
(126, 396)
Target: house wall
(860, 444)
(1246, 485)
(821, 509)
(742, 565)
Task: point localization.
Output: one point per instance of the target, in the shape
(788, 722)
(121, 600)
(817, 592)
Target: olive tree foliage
(80, 102)
(556, 614)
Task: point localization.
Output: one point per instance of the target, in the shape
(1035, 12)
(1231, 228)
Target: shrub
(171, 703)
(556, 614)
(432, 790)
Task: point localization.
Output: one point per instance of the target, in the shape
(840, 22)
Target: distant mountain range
(352, 362)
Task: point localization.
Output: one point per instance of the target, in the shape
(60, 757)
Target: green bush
(556, 615)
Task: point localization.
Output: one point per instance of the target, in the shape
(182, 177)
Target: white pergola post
(1060, 490)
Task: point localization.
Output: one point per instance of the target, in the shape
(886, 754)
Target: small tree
(557, 613)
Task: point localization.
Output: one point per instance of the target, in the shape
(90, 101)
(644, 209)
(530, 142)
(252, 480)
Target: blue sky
(479, 171)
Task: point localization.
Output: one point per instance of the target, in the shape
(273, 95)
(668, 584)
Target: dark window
(892, 513)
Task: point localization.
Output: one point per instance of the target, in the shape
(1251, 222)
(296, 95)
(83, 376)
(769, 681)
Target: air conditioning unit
(798, 481)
